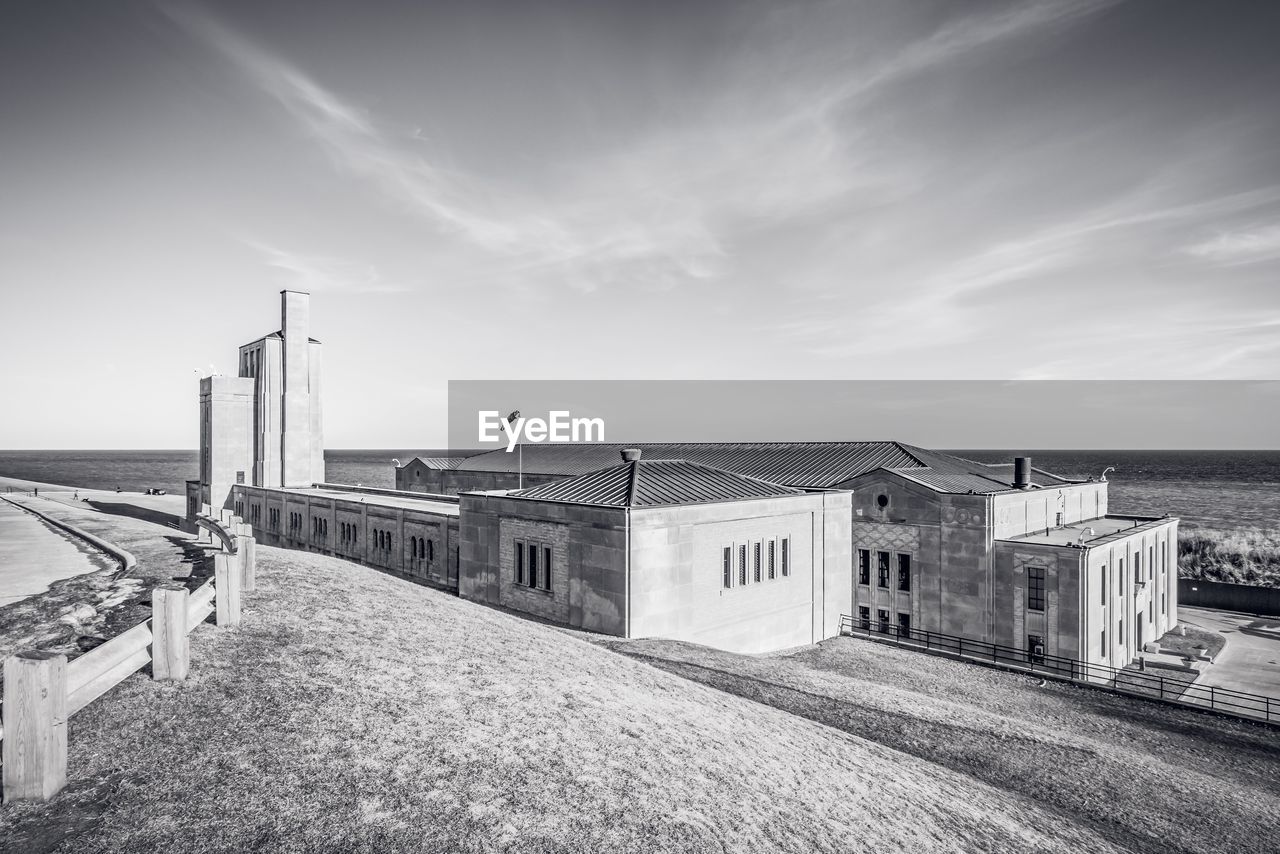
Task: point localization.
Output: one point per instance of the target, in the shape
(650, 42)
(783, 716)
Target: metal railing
(1255, 707)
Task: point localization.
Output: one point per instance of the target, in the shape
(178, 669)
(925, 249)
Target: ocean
(1216, 489)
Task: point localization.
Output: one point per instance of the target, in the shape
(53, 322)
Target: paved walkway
(1251, 659)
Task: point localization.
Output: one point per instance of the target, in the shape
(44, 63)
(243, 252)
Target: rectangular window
(1162, 603)
(1104, 644)
(904, 625)
(728, 567)
(1120, 571)
(1035, 589)
(533, 565)
(786, 557)
(882, 569)
(546, 568)
(882, 617)
(742, 564)
(1120, 633)
(519, 547)
(1137, 567)
(1104, 584)
(1151, 562)
(773, 555)
(904, 573)
(864, 616)
(755, 566)
(864, 566)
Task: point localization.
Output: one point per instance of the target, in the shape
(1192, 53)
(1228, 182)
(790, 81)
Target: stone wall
(592, 592)
(364, 516)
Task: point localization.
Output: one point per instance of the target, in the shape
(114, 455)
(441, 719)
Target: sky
(1069, 190)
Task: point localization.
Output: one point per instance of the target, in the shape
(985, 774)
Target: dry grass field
(355, 712)
(1143, 776)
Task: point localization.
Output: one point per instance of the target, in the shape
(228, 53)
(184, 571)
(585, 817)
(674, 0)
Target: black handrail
(1237, 703)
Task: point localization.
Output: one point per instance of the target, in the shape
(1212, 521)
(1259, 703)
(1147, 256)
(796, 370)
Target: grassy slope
(354, 712)
(1146, 777)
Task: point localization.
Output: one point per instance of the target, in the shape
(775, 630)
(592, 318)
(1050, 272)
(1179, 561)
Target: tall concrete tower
(264, 426)
(295, 403)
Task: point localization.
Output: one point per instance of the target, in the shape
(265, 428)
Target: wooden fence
(42, 690)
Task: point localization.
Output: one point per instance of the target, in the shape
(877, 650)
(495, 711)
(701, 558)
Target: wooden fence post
(35, 725)
(226, 588)
(170, 650)
(247, 556)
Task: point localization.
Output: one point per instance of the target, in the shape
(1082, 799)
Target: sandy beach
(35, 554)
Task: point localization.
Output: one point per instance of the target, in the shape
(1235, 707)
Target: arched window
(431, 549)
(413, 546)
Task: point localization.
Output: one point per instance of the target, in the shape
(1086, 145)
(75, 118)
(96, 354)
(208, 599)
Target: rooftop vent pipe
(1021, 472)
(1087, 532)
(630, 455)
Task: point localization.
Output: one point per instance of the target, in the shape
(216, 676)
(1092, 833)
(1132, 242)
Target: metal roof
(800, 464)
(648, 483)
(952, 483)
(439, 462)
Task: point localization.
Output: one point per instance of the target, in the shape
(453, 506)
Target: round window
(882, 500)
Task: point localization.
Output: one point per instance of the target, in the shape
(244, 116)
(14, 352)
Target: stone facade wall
(657, 572)
(592, 594)
(365, 516)
(416, 477)
(550, 604)
(1058, 624)
(1018, 513)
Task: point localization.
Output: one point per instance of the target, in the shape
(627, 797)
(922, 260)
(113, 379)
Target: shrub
(1239, 556)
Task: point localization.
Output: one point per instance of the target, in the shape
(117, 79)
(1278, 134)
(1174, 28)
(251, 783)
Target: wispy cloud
(657, 213)
(955, 40)
(1250, 246)
(590, 236)
(320, 273)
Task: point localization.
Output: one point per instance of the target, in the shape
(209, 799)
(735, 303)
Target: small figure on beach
(117, 489)
(36, 491)
(76, 497)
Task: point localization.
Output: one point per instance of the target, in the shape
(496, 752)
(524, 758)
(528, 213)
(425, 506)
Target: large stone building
(263, 427)
(1011, 555)
(743, 546)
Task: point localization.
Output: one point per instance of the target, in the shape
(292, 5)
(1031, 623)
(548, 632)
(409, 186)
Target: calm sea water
(138, 470)
(1225, 489)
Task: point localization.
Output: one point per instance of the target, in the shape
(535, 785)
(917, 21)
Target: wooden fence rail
(43, 690)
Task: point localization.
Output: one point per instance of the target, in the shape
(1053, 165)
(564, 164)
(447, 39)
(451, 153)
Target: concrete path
(1251, 659)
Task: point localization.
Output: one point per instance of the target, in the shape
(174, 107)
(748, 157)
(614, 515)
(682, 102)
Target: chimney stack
(1021, 472)
(630, 455)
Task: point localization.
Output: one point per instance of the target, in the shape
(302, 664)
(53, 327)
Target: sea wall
(1229, 597)
(126, 559)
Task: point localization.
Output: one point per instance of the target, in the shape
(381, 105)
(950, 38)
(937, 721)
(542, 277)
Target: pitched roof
(801, 464)
(439, 462)
(649, 483)
(951, 483)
